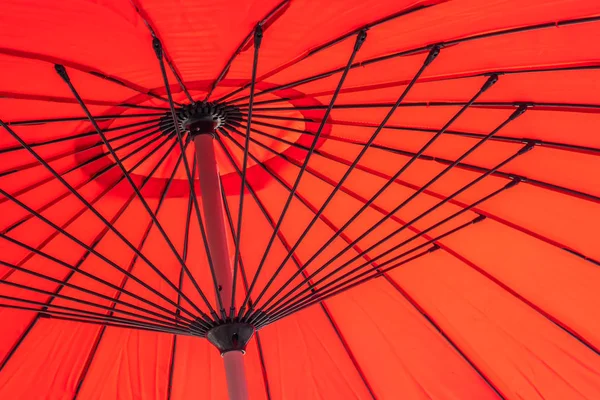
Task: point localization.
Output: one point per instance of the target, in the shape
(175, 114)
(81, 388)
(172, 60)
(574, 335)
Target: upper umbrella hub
(199, 118)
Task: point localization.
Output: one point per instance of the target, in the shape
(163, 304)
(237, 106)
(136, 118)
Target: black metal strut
(489, 83)
(360, 39)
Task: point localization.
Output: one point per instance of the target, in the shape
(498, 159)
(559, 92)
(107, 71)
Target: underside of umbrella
(299, 199)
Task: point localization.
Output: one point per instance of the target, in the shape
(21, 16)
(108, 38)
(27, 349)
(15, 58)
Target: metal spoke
(76, 268)
(92, 177)
(361, 37)
(497, 138)
(262, 207)
(372, 260)
(90, 249)
(156, 44)
(81, 135)
(148, 131)
(429, 79)
(258, 34)
(244, 278)
(84, 314)
(259, 203)
(421, 49)
(68, 100)
(79, 213)
(511, 118)
(63, 74)
(279, 8)
(186, 238)
(54, 295)
(411, 222)
(104, 324)
(79, 119)
(462, 165)
(489, 83)
(428, 60)
(500, 105)
(332, 43)
(340, 290)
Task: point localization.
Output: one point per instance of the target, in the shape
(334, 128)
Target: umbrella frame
(231, 337)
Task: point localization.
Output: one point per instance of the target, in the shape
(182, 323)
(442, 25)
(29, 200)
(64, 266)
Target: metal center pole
(212, 205)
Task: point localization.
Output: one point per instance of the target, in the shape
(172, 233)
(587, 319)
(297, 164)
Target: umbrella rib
(81, 68)
(344, 343)
(424, 48)
(459, 165)
(63, 74)
(258, 35)
(245, 282)
(80, 313)
(73, 317)
(64, 226)
(94, 210)
(489, 83)
(186, 236)
(500, 105)
(79, 119)
(97, 241)
(260, 204)
(81, 289)
(158, 50)
(299, 301)
(89, 248)
(86, 320)
(430, 79)
(428, 60)
(82, 272)
(68, 100)
(146, 19)
(331, 183)
(298, 263)
(297, 196)
(392, 249)
(178, 316)
(491, 216)
(80, 135)
(340, 289)
(56, 295)
(34, 164)
(425, 315)
(263, 23)
(286, 245)
(496, 138)
(511, 118)
(411, 222)
(94, 176)
(544, 185)
(360, 38)
(337, 40)
(471, 167)
(350, 353)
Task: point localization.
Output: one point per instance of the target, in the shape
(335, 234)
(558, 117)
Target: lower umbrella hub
(230, 336)
(200, 118)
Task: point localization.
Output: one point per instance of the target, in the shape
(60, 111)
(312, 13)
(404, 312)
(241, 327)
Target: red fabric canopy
(486, 278)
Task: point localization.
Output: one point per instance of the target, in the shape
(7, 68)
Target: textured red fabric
(503, 305)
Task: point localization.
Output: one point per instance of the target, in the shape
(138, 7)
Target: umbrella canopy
(391, 199)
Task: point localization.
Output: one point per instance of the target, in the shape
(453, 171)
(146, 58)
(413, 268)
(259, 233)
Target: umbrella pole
(212, 205)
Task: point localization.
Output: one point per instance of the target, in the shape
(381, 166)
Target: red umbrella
(391, 199)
